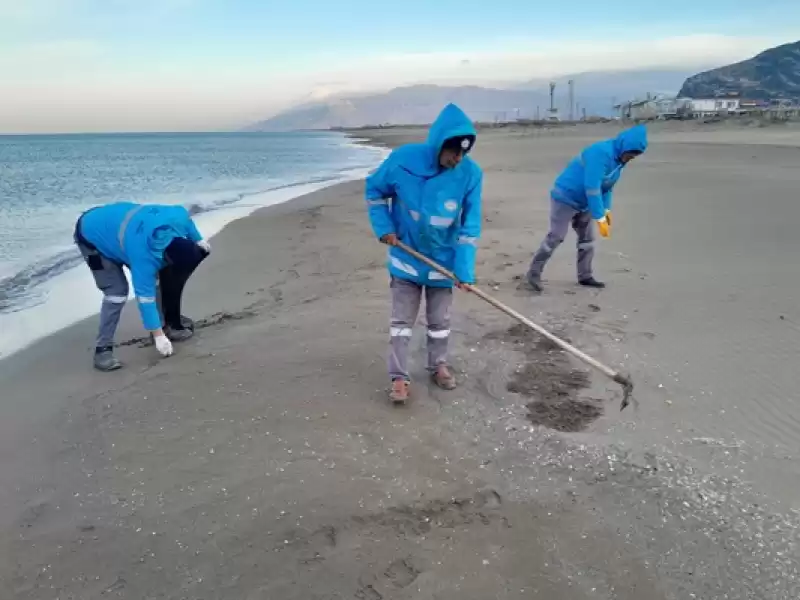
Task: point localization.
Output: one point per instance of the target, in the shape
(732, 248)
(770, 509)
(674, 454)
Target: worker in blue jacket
(161, 247)
(581, 196)
(428, 196)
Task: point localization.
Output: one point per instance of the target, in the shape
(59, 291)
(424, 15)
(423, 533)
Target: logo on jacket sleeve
(451, 205)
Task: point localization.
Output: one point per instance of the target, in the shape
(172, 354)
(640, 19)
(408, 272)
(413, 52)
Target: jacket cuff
(464, 268)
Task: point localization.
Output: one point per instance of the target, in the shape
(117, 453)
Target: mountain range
(772, 74)
(594, 92)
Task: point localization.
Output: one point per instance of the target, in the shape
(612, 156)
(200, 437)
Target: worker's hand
(204, 246)
(390, 239)
(608, 217)
(604, 227)
(464, 287)
(163, 345)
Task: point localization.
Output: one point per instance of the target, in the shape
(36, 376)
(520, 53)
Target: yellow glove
(608, 217)
(604, 227)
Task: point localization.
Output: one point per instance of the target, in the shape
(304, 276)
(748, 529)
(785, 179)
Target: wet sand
(262, 461)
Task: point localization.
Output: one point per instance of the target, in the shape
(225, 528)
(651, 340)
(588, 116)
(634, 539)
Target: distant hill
(775, 73)
(405, 105)
(596, 92)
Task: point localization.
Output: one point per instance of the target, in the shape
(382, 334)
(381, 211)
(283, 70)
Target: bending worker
(582, 197)
(427, 196)
(160, 245)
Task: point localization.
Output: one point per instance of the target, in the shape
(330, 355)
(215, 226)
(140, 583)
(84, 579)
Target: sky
(189, 65)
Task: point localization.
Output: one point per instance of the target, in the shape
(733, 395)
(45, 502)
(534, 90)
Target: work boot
(533, 283)
(443, 378)
(104, 360)
(399, 391)
(591, 282)
(187, 323)
(178, 335)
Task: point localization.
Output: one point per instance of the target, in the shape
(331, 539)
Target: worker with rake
(427, 196)
(581, 197)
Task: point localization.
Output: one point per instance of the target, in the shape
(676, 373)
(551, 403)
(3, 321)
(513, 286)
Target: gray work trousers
(110, 279)
(561, 217)
(406, 300)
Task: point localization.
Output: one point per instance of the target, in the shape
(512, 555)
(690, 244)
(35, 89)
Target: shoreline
(263, 459)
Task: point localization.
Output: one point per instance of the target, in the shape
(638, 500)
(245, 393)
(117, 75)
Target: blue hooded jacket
(145, 231)
(588, 181)
(434, 210)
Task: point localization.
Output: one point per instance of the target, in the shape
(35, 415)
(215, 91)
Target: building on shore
(653, 107)
(662, 107)
(723, 105)
(733, 105)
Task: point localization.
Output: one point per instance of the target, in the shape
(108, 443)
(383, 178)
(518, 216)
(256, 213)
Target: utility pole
(571, 85)
(553, 111)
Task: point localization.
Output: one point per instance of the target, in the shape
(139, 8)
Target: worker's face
(450, 158)
(628, 157)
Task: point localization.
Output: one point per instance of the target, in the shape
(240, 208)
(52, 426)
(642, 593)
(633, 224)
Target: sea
(47, 181)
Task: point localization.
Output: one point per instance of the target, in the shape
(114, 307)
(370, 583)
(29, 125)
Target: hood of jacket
(423, 159)
(630, 140)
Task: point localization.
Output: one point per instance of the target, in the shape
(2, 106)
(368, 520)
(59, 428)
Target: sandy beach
(262, 460)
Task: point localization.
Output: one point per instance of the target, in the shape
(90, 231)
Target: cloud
(149, 4)
(98, 107)
(149, 7)
(49, 61)
(30, 12)
(47, 52)
(24, 10)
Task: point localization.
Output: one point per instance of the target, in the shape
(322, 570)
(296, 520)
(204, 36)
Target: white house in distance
(665, 107)
(731, 104)
(712, 106)
(654, 107)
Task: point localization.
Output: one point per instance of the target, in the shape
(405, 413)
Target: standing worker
(160, 245)
(427, 196)
(582, 194)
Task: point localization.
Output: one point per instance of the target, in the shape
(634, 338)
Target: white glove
(163, 345)
(205, 246)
